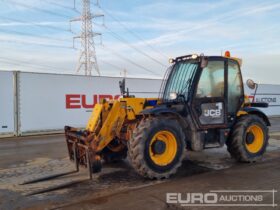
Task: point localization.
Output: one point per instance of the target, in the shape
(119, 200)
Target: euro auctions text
(224, 198)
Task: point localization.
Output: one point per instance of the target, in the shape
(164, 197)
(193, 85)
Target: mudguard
(251, 110)
(162, 109)
(165, 110)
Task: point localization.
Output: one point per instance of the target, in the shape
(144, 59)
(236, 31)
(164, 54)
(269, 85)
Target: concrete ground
(118, 186)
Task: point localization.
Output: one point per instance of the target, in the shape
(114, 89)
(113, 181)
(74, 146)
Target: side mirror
(251, 84)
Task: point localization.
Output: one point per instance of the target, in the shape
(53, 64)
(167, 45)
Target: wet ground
(118, 186)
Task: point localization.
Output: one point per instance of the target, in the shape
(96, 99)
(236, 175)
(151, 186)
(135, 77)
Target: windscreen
(180, 79)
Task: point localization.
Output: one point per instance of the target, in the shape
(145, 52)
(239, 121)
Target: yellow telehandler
(201, 105)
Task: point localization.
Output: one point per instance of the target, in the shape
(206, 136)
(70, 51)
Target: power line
(31, 34)
(127, 43)
(36, 44)
(133, 33)
(18, 63)
(113, 65)
(130, 61)
(37, 67)
(26, 63)
(35, 24)
(133, 47)
(60, 5)
(39, 9)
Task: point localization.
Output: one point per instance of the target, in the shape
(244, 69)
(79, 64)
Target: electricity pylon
(87, 58)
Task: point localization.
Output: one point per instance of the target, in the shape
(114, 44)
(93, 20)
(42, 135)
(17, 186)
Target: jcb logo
(214, 112)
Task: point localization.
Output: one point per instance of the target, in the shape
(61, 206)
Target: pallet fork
(79, 153)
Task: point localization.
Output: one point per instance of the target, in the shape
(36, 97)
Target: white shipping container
(267, 93)
(48, 102)
(7, 113)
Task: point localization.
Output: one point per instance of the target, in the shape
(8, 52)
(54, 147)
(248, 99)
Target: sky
(140, 36)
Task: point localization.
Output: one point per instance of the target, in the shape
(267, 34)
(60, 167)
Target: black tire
(139, 146)
(236, 144)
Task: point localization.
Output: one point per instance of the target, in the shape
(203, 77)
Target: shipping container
(8, 104)
(48, 102)
(38, 103)
(267, 93)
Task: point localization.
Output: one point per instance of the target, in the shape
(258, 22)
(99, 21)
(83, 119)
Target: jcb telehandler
(201, 105)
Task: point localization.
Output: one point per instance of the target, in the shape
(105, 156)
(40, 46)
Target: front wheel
(248, 139)
(157, 147)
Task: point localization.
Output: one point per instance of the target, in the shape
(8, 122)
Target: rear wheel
(157, 147)
(248, 139)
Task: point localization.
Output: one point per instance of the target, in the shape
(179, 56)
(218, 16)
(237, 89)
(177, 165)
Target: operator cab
(211, 86)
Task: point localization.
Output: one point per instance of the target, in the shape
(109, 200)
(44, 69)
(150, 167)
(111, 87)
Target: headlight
(194, 56)
(171, 60)
(173, 96)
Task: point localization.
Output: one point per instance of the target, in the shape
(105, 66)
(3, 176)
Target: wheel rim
(256, 141)
(170, 149)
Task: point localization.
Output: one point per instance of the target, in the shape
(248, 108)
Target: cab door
(235, 90)
(209, 100)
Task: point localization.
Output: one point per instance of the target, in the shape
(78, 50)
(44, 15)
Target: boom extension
(109, 121)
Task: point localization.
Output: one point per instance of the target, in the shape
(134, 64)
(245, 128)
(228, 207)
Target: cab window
(211, 83)
(234, 87)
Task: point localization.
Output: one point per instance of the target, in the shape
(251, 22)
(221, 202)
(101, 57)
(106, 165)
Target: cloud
(208, 24)
(171, 27)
